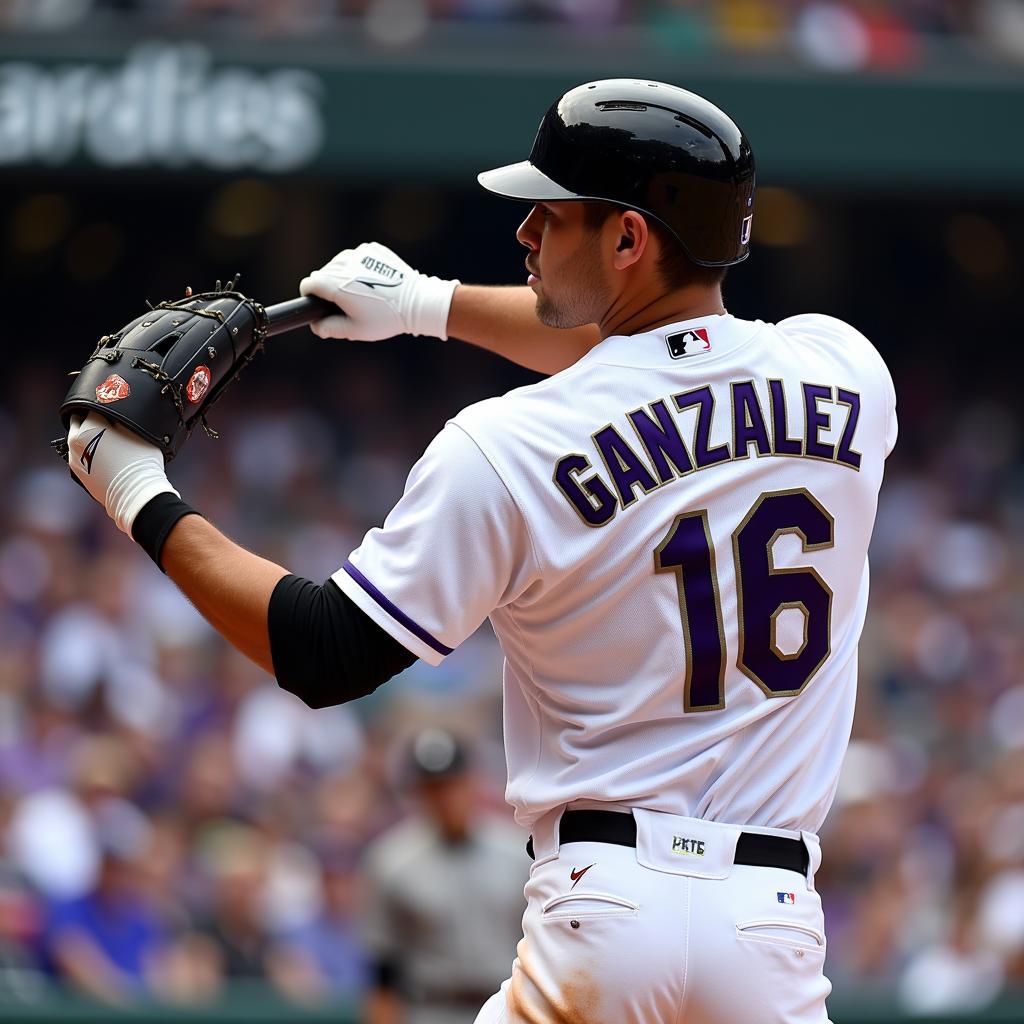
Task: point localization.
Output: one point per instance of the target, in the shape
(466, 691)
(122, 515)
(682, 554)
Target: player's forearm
(504, 320)
(317, 642)
(313, 639)
(231, 587)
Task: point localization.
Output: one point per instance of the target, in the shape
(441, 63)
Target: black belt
(753, 848)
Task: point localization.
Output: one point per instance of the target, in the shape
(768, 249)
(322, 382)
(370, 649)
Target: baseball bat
(286, 316)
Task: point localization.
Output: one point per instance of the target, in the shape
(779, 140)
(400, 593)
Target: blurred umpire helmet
(436, 754)
(650, 147)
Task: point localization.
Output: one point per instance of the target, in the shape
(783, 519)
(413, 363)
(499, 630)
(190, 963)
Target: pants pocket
(588, 904)
(792, 934)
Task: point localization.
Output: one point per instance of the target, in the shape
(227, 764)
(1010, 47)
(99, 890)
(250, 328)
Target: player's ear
(632, 239)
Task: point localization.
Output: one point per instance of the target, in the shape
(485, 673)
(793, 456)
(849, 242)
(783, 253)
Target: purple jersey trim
(394, 611)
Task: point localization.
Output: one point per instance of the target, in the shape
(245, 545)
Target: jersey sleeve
(453, 549)
(891, 422)
(850, 340)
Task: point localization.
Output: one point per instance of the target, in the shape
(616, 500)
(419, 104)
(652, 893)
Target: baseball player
(669, 535)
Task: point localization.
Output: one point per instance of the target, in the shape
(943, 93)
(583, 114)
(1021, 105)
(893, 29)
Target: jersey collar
(683, 343)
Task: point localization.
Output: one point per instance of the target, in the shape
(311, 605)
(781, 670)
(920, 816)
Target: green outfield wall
(258, 1006)
(461, 101)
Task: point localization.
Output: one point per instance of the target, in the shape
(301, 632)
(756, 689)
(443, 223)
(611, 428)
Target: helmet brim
(523, 181)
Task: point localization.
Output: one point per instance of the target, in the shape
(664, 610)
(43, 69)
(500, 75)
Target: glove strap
(155, 521)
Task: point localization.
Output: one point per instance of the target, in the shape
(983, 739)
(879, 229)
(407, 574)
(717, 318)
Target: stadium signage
(167, 105)
(333, 108)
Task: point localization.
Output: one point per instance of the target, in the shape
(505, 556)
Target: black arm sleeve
(325, 649)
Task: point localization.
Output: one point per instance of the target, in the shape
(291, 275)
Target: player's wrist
(120, 470)
(428, 303)
(133, 487)
(154, 521)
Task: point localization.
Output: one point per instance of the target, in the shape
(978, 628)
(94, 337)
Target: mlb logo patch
(786, 897)
(688, 343)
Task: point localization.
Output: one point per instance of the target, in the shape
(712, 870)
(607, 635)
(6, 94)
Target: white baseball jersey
(670, 539)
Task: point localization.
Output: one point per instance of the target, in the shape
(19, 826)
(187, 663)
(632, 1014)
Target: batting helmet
(650, 147)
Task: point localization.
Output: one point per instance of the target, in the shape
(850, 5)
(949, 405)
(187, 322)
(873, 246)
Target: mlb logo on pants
(787, 897)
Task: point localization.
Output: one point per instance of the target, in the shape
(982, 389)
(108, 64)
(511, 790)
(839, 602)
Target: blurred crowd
(171, 822)
(837, 34)
(923, 878)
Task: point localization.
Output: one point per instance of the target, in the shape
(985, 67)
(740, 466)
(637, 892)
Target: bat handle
(286, 316)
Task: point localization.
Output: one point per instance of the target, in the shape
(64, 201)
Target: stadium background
(150, 144)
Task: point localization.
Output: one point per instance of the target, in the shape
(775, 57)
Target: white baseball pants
(672, 932)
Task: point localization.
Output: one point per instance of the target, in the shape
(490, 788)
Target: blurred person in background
(956, 973)
(105, 944)
(324, 959)
(56, 834)
(37, 750)
(444, 895)
(347, 809)
(20, 926)
(235, 858)
(206, 789)
(190, 971)
(189, 968)
(234, 916)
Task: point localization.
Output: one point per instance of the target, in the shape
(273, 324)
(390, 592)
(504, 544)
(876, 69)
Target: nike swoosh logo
(378, 284)
(89, 453)
(577, 875)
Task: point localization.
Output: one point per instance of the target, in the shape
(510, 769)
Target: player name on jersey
(658, 453)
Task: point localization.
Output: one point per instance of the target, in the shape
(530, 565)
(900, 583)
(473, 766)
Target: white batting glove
(380, 296)
(117, 467)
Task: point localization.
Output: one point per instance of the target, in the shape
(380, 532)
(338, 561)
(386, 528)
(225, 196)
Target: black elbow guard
(325, 649)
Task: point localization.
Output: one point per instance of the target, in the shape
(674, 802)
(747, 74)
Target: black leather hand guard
(160, 374)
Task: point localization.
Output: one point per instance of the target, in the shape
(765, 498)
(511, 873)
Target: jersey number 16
(763, 593)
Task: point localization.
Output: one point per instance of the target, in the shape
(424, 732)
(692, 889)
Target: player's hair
(676, 268)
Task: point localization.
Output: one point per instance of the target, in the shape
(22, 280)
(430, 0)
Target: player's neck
(646, 311)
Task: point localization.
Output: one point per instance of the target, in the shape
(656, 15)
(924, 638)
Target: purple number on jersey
(764, 592)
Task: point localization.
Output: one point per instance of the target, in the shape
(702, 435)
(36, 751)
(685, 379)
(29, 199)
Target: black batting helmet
(651, 147)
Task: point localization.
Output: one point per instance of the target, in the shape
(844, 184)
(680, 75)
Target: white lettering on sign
(166, 105)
